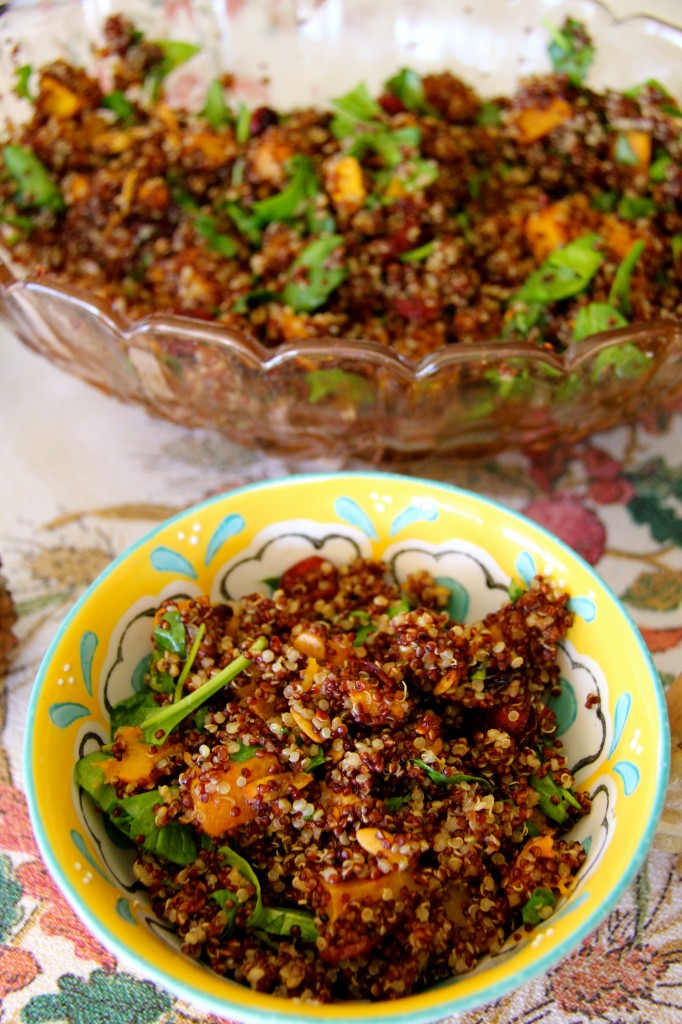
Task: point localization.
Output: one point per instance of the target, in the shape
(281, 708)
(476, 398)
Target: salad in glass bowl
(466, 238)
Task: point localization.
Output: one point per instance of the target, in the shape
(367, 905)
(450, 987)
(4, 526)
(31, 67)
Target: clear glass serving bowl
(374, 404)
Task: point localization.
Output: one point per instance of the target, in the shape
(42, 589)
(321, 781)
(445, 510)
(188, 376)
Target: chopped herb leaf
(515, 589)
(316, 761)
(252, 299)
(120, 105)
(34, 184)
(215, 109)
(395, 803)
(623, 151)
(659, 167)
(531, 912)
(489, 114)
(634, 207)
(626, 362)
(511, 382)
(338, 383)
(619, 295)
(23, 77)
(292, 201)
(415, 175)
(354, 108)
(407, 85)
(311, 281)
(242, 128)
(391, 146)
(398, 608)
(175, 53)
(205, 225)
(449, 780)
(565, 272)
(525, 318)
(570, 50)
(476, 183)
(24, 224)
(606, 202)
(245, 753)
(247, 224)
(363, 634)
(651, 83)
(596, 317)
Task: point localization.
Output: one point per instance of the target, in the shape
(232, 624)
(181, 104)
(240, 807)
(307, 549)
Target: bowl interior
(230, 545)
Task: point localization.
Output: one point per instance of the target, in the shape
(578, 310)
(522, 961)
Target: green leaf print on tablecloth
(10, 896)
(660, 590)
(100, 998)
(657, 487)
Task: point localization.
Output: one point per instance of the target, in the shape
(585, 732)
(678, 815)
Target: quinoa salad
(337, 792)
(420, 217)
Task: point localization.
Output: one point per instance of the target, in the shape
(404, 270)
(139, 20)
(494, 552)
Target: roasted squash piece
(219, 798)
(139, 758)
(534, 123)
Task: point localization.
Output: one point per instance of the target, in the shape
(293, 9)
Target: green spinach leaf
(554, 799)
(132, 710)
(157, 725)
(273, 920)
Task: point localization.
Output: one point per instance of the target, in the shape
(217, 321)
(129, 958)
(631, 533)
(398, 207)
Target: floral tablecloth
(82, 477)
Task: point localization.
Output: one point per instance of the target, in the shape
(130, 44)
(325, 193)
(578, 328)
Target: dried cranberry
(391, 104)
(262, 118)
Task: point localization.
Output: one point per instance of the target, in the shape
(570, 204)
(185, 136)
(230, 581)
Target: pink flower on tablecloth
(15, 824)
(572, 522)
(18, 968)
(601, 979)
(607, 485)
(546, 468)
(58, 918)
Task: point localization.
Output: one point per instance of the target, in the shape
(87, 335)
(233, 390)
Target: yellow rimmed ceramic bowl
(611, 714)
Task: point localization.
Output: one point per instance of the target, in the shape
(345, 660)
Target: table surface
(83, 476)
